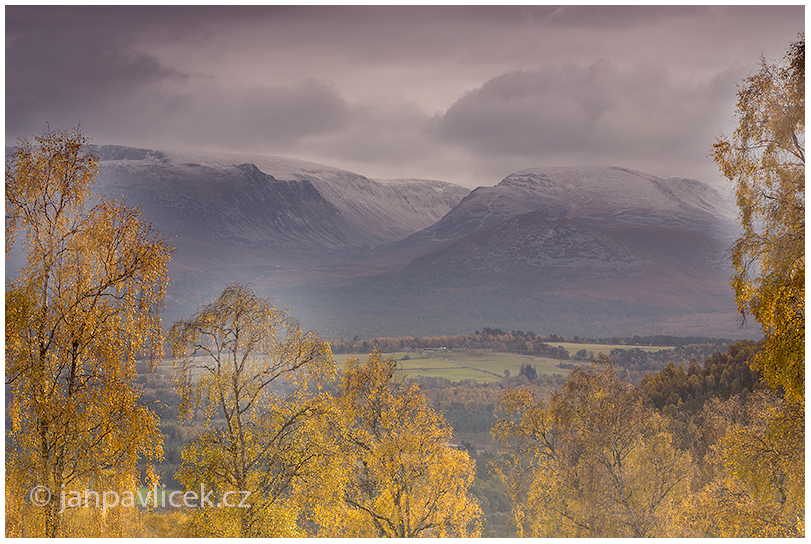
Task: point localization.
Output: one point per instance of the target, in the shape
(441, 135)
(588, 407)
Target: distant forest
(512, 341)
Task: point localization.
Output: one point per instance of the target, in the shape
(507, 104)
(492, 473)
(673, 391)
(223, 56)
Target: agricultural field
(458, 365)
(482, 365)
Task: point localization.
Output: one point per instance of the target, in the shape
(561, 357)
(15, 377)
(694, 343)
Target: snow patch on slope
(378, 212)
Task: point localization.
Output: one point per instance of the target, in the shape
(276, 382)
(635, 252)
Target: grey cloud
(271, 119)
(592, 113)
(529, 111)
(83, 65)
(279, 115)
(596, 16)
(392, 133)
(59, 77)
(357, 86)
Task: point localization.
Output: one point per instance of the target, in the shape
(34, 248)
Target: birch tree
(595, 460)
(400, 476)
(77, 315)
(765, 159)
(247, 364)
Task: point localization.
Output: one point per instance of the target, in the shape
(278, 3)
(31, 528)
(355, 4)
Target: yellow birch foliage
(759, 490)
(765, 159)
(401, 476)
(595, 460)
(251, 367)
(81, 309)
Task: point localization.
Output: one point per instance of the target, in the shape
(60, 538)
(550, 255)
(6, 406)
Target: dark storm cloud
(74, 76)
(81, 65)
(464, 93)
(68, 66)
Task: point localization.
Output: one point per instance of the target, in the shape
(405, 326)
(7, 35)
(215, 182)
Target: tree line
(637, 361)
(527, 343)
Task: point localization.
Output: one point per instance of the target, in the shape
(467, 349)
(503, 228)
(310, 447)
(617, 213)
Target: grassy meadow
(483, 365)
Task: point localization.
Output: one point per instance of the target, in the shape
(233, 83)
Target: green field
(481, 365)
(457, 365)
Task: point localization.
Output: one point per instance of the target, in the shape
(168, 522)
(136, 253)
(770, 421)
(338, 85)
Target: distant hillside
(248, 217)
(596, 252)
(601, 196)
(590, 251)
(293, 204)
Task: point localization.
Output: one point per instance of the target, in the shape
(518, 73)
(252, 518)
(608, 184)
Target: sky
(466, 94)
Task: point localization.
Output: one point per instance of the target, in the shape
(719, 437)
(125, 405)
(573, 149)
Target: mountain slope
(588, 251)
(237, 204)
(378, 212)
(585, 250)
(292, 207)
(246, 217)
(541, 272)
(535, 243)
(601, 196)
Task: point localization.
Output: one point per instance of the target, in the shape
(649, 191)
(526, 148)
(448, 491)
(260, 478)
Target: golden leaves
(403, 479)
(249, 364)
(82, 307)
(759, 459)
(593, 460)
(765, 158)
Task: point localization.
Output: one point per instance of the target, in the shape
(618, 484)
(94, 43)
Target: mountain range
(598, 251)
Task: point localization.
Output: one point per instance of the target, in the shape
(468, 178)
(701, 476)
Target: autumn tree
(765, 158)
(594, 460)
(78, 313)
(402, 478)
(756, 456)
(760, 491)
(249, 365)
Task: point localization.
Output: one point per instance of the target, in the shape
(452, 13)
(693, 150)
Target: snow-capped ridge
(326, 207)
(599, 195)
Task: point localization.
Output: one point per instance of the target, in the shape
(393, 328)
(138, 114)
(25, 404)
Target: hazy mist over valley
(588, 251)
